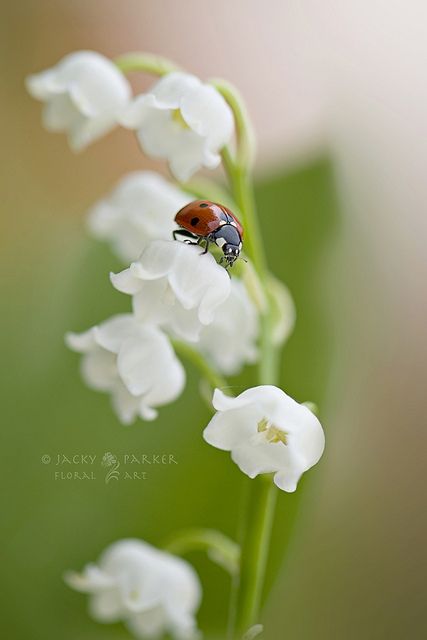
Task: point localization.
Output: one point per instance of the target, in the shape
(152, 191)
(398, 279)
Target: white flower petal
(102, 219)
(99, 371)
(149, 625)
(154, 302)
(228, 430)
(134, 362)
(175, 287)
(224, 402)
(97, 86)
(87, 130)
(106, 607)
(42, 85)
(59, 113)
(199, 281)
(80, 342)
(170, 90)
(184, 323)
(208, 114)
(128, 280)
(134, 114)
(183, 590)
(267, 432)
(158, 134)
(147, 363)
(152, 592)
(140, 209)
(159, 258)
(147, 413)
(84, 94)
(183, 624)
(170, 384)
(229, 341)
(125, 405)
(263, 458)
(189, 154)
(287, 480)
(113, 332)
(91, 580)
(283, 309)
(182, 120)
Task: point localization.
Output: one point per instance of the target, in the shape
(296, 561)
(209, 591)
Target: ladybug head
(231, 253)
(227, 237)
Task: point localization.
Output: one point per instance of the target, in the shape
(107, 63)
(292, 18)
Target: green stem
(205, 189)
(147, 62)
(268, 368)
(245, 134)
(219, 547)
(262, 491)
(198, 360)
(259, 522)
(243, 194)
(259, 515)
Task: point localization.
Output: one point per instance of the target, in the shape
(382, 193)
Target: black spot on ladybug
(195, 221)
(203, 205)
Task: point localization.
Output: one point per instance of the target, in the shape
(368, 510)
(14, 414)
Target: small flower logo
(109, 461)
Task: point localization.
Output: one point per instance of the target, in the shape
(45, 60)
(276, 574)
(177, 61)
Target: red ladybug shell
(202, 217)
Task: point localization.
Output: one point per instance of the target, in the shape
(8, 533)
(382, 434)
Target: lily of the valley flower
(175, 287)
(141, 208)
(134, 363)
(182, 120)
(151, 591)
(230, 340)
(266, 432)
(84, 94)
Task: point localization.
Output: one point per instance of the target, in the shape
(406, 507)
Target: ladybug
(207, 221)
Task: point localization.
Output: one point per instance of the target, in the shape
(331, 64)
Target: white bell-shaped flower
(266, 432)
(229, 342)
(84, 94)
(175, 287)
(141, 208)
(135, 363)
(183, 121)
(151, 591)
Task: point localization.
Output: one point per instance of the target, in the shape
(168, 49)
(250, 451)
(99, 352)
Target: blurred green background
(347, 550)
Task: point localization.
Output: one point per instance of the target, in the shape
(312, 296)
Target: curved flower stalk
(172, 287)
(151, 591)
(219, 548)
(266, 432)
(141, 208)
(135, 363)
(230, 341)
(183, 121)
(84, 95)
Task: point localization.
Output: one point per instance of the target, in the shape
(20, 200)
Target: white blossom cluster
(179, 119)
(177, 295)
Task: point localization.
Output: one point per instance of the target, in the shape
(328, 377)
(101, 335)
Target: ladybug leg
(189, 238)
(226, 266)
(208, 239)
(206, 246)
